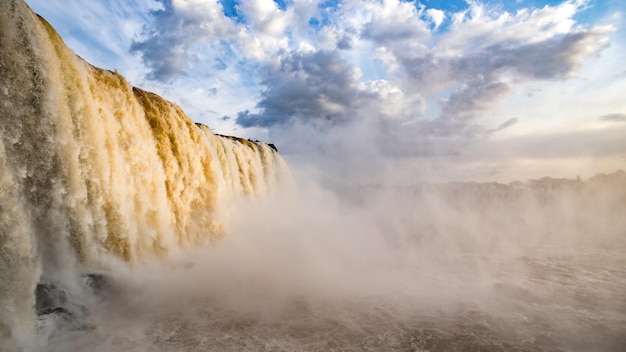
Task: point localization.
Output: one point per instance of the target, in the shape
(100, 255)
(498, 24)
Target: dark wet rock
(48, 296)
(51, 299)
(98, 283)
(55, 310)
(59, 309)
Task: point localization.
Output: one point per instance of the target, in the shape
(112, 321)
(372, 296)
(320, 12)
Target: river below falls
(552, 299)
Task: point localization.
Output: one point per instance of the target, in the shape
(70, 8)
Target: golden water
(92, 167)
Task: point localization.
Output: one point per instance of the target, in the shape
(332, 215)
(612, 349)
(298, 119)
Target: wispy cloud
(613, 117)
(180, 35)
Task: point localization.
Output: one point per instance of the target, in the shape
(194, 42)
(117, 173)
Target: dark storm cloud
(311, 86)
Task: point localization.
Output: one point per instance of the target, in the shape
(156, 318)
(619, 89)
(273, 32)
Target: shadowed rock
(57, 309)
(99, 284)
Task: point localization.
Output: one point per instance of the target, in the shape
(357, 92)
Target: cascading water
(92, 167)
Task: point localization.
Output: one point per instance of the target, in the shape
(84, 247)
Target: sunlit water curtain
(93, 168)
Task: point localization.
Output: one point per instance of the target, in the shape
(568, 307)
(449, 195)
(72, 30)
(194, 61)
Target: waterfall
(93, 168)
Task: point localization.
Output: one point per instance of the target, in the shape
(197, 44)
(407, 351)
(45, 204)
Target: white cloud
(392, 21)
(479, 28)
(436, 17)
(268, 28)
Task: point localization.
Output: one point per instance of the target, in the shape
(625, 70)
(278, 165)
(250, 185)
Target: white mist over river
(508, 270)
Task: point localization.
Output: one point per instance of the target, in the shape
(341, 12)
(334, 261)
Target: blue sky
(381, 90)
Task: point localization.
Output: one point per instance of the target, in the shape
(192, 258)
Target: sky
(380, 91)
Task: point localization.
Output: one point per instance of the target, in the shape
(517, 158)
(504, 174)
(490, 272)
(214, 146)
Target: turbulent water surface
(553, 301)
(321, 273)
